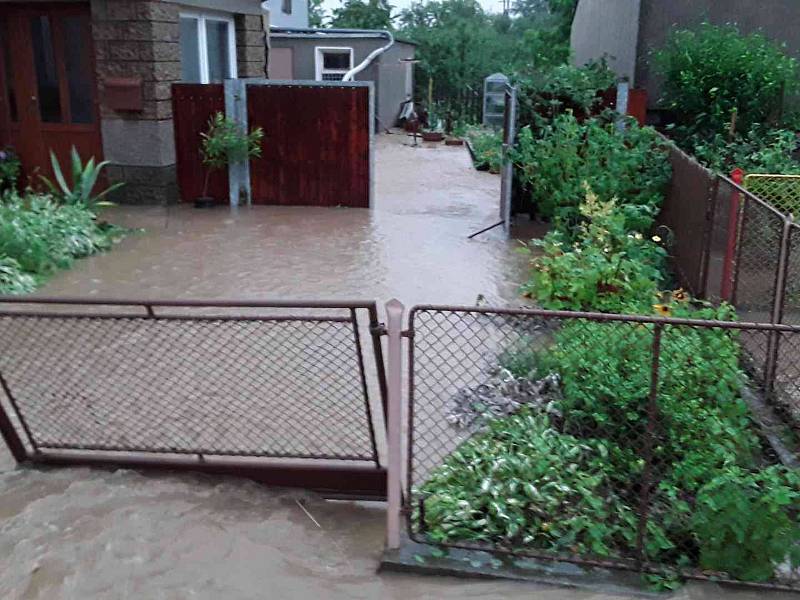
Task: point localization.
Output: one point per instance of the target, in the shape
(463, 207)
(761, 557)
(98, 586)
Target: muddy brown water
(81, 533)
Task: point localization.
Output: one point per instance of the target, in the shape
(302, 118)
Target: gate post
(236, 109)
(394, 434)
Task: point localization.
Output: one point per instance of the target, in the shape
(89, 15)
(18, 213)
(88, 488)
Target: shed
(326, 55)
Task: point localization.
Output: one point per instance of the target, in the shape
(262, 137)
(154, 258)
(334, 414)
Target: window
(333, 63)
(286, 7)
(208, 48)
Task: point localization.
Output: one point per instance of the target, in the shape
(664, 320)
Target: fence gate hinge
(378, 329)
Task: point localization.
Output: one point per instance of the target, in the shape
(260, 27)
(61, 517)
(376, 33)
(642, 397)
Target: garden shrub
(41, 235)
(760, 150)
(713, 70)
(509, 486)
(627, 163)
(487, 146)
(606, 268)
(544, 94)
(9, 169)
(13, 280)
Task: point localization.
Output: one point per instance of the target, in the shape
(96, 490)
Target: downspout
(350, 75)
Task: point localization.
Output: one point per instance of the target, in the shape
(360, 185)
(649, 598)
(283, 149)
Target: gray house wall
(386, 72)
(607, 28)
(777, 19)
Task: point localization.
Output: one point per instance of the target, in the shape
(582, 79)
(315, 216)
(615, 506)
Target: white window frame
(202, 42)
(319, 60)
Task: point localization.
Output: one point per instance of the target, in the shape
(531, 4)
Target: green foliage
(360, 14)
(316, 13)
(713, 71)
(523, 483)
(224, 142)
(84, 179)
(627, 164)
(487, 145)
(760, 150)
(747, 522)
(41, 235)
(546, 93)
(606, 268)
(9, 168)
(13, 280)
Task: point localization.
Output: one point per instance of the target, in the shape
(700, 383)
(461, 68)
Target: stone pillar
(251, 53)
(139, 38)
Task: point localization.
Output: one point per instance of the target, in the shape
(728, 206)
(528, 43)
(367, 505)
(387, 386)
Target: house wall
(607, 28)
(141, 38)
(297, 18)
(386, 72)
(778, 20)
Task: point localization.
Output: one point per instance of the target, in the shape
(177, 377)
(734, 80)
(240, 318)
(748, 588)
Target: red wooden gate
(316, 145)
(192, 107)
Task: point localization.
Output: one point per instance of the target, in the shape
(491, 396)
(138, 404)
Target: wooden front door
(48, 90)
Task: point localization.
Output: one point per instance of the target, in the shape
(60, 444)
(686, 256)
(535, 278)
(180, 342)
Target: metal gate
(281, 392)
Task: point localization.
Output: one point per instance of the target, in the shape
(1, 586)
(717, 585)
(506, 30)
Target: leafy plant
(715, 71)
(84, 180)
(606, 268)
(13, 280)
(508, 486)
(487, 146)
(749, 522)
(224, 142)
(629, 164)
(41, 235)
(760, 150)
(9, 168)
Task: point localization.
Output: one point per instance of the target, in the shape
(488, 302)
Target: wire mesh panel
(621, 441)
(780, 191)
(266, 385)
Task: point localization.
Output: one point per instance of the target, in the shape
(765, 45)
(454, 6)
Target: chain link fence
(624, 442)
(239, 380)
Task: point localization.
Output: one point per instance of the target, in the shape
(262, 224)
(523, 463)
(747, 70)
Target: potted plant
(433, 131)
(225, 142)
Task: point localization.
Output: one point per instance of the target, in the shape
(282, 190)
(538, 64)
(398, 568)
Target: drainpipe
(350, 75)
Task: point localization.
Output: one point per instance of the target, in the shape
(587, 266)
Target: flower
(637, 235)
(662, 310)
(656, 239)
(680, 295)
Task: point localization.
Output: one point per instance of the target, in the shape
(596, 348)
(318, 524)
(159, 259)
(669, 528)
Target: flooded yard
(80, 533)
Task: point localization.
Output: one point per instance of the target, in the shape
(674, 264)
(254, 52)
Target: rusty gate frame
(330, 476)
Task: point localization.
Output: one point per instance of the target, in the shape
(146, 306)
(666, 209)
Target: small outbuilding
(328, 54)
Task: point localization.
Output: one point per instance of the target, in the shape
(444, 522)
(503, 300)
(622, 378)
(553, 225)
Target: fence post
(773, 345)
(236, 109)
(726, 288)
(394, 434)
(649, 440)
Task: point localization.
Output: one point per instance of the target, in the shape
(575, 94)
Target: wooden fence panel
(192, 107)
(316, 145)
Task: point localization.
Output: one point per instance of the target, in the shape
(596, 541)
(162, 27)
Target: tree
(358, 14)
(316, 13)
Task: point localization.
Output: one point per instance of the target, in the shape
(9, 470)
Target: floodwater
(80, 533)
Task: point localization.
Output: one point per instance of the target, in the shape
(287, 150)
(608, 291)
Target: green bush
(13, 280)
(760, 150)
(629, 164)
(9, 168)
(544, 94)
(487, 146)
(747, 522)
(41, 235)
(606, 268)
(715, 70)
(522, 483)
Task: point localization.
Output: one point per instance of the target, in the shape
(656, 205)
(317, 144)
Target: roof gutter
(350, 75)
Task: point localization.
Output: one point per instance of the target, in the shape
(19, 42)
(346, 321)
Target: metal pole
(773, 344)
(394, 435)
(726, 289)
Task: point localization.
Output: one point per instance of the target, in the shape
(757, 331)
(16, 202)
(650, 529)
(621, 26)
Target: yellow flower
(656, 239)
(680, 295)
(662, 310)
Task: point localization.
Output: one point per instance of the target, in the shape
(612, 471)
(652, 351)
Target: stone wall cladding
(251, 55)
(144, 185)
(138, 38)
